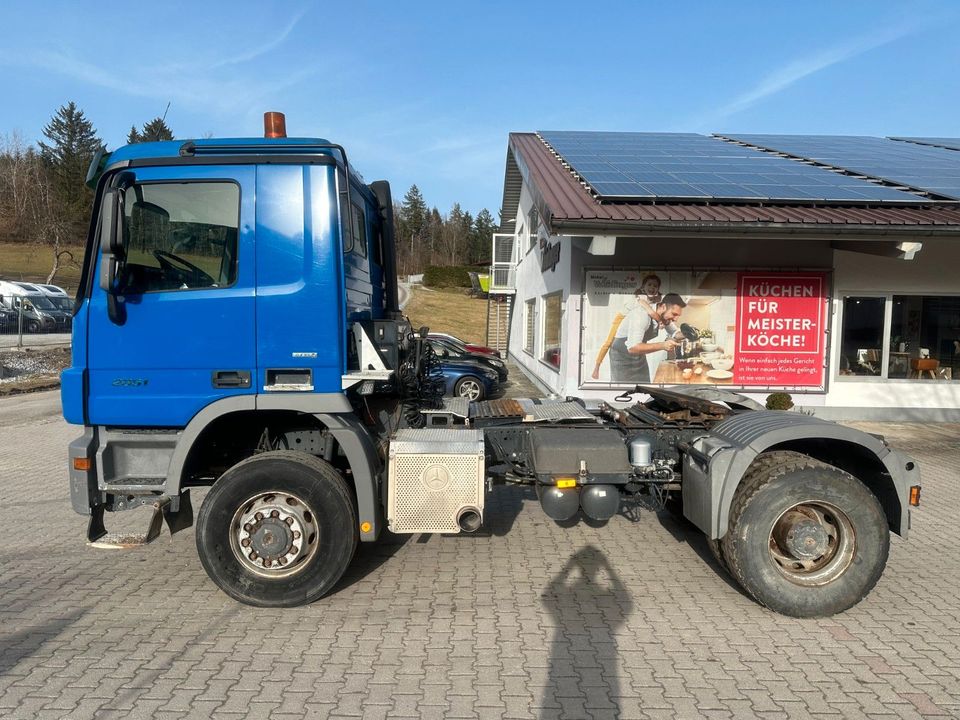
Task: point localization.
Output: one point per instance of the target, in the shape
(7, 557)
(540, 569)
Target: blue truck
(237, 328)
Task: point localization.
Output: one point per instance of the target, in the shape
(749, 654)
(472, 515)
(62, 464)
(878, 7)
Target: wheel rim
(812, 543)
(469, 389)
(274, 534)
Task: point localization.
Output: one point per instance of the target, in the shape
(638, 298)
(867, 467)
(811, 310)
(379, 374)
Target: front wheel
(277, 530)
(469, 387)
(805, 538)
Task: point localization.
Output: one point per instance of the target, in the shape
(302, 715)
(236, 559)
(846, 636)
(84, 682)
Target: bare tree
(30, 208)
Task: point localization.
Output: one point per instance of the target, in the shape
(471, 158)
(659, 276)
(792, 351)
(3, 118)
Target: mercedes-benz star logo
(436, 477)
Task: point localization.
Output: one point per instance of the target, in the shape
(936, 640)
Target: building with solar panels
(822, 266)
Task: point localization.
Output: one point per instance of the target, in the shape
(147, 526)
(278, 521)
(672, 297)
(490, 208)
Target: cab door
(183, 334)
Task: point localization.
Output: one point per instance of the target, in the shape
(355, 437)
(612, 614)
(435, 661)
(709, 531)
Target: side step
(177, 520)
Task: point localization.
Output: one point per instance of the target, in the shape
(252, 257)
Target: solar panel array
(688, 166)
(931, 169)
(944, 142)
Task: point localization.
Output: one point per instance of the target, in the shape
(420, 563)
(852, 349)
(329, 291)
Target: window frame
(530, 326)
(358, 212)
(543, 329)
(885, 337)
(197, 181)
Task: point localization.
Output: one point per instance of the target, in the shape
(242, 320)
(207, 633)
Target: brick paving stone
(501, 624)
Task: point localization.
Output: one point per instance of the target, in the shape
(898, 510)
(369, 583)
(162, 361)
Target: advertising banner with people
(712, 327)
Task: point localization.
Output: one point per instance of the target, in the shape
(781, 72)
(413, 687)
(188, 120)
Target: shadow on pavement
(369, 558)
(683, 530)
(588, 604)
(24, 643)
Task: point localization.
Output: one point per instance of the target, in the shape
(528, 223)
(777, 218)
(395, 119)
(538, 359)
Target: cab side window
(358, 228)
(180, 236)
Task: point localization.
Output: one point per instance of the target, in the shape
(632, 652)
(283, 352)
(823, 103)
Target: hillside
(449, 311)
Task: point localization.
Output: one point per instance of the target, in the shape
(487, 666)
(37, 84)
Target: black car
(445, 347)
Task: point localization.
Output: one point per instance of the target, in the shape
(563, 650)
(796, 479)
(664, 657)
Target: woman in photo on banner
(645, 297)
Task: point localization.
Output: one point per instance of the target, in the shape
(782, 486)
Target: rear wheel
(469, 387)
(805, 538)
(277, 530)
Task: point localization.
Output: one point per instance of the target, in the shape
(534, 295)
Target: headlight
(492, 374)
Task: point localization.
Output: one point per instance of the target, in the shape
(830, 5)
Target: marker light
(915, 495)
(564, 483)
(274, 125)
(84, 463)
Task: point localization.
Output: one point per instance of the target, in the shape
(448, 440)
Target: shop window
(861, 344)
(924, 337)
(530, 324)
(552, 315)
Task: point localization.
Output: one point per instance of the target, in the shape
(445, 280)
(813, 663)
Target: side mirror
(27, 306)
(112, 248)
(111, 223)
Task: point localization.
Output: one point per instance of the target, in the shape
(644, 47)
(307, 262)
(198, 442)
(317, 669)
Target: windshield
(62, 303)
(40, 302)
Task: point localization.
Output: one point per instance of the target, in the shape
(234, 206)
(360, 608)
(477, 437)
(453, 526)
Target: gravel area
(18, 366)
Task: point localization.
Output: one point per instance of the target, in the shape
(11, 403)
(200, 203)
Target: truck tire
(805, 539)
(762, 464)
(278, 529)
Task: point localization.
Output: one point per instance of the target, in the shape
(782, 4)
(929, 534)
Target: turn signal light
(365, 527)
(82, 463)
(564, 483)
(915, 495)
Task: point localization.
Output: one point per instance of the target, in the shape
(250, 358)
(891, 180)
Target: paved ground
(10, 340)
(525, 620)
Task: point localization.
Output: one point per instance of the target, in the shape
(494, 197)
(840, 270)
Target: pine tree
(154, 131)
(72, 144)
(482, 237)
(411, 226)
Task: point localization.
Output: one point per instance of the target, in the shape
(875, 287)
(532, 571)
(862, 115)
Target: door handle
(231, 378)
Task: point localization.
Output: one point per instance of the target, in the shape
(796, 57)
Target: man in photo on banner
(649, 337)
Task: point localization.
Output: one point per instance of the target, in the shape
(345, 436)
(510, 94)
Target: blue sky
(427, 94)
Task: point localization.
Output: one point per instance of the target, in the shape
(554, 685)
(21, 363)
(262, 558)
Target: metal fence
(25, 315)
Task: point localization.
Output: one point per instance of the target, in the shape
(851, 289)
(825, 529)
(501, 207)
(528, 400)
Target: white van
(58, 296)
(40, 314)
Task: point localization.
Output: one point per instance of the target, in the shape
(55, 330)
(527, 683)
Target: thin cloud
(791, 73)
(264, 49)
(165, 83)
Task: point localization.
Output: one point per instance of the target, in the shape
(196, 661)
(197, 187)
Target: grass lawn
(32, 263)
(449, 311)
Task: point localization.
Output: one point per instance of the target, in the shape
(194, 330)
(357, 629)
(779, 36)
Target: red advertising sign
(781, 325)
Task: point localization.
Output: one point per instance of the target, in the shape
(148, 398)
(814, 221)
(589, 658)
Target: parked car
(465, 376)
(9, 321)
(457, 349)
(481, 349)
